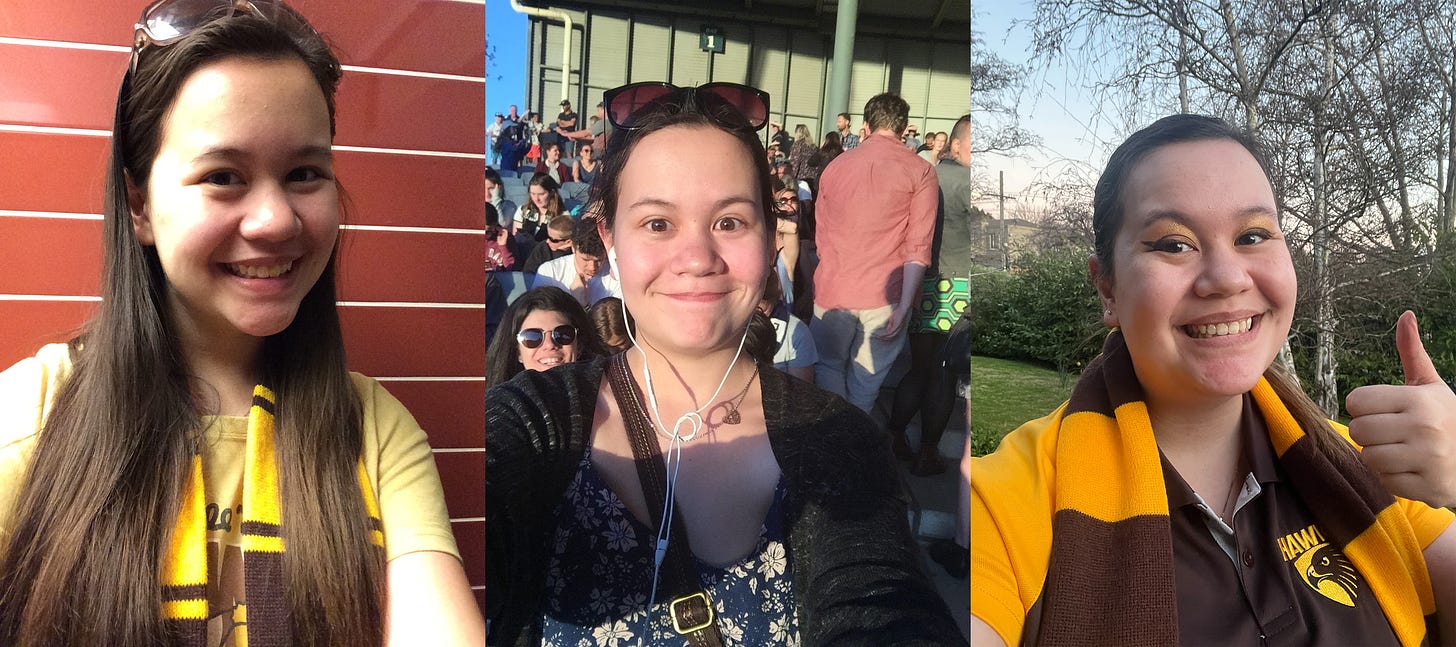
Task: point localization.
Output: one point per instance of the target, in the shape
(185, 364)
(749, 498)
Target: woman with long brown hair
(544, 204)
(198, 467)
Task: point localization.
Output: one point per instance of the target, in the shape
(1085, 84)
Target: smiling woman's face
(1203, 284)
(548, 354)
(241, 203)
(692, 253)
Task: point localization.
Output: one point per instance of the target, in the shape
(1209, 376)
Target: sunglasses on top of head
(165, 22)
(731, 105)
(563, 335)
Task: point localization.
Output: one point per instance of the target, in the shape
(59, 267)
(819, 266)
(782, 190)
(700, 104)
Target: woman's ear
(1104, 290)
(136, 204)
(605, 233)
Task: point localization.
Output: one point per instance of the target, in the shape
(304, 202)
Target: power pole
(1005, 232)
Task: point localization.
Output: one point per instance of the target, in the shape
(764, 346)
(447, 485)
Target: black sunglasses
(563, 335)
(732, 105)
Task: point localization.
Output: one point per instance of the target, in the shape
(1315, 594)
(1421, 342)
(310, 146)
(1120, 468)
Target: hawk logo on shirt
(1321, 565)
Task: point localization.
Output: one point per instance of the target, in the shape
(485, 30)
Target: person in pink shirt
(875, 222)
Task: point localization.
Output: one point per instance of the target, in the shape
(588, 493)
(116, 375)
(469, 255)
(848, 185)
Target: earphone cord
(673, 459)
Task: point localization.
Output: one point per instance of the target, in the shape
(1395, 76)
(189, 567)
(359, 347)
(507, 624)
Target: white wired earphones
(693, 419)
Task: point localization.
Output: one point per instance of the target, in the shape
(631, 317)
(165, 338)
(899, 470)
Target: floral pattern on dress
(598, 578)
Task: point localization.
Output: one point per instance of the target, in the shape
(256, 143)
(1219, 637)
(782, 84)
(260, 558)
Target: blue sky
(505, 40)
(1055, 105)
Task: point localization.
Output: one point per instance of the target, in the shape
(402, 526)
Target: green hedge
(1044, 310)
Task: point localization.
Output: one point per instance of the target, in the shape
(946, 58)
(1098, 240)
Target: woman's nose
(1224, 272)
(270, 215)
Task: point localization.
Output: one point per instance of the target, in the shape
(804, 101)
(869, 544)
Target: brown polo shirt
(1272, 578)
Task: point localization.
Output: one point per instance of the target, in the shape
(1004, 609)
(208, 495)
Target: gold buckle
(677, 626)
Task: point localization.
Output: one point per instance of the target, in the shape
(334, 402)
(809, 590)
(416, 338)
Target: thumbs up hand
(1408, 431)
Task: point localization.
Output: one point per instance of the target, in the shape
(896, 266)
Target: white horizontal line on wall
(429, 379)
(53, 130)
(93, 132)
(61, 44)
(415, 230)
(57, 215)
(411, 304)
(407, 151)
(459, 450)
(47, 297)
(124, 49)
(414, 73)
(469, 519)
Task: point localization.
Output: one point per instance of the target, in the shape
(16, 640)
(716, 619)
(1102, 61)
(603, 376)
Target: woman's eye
(729, 224)
(305, 174)
(1168, 245)
(657, 225)
(1253, 237)
(223, 178)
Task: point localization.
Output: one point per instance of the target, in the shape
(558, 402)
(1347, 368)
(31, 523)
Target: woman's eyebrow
(651, 201)
(233, 152)
(1178, 217)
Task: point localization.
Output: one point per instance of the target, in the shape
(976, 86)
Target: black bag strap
(691, 608)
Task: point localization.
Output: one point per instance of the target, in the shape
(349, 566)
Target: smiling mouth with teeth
(1205, 331)
(259, 271)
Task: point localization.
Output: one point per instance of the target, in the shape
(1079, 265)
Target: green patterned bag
(942, 300)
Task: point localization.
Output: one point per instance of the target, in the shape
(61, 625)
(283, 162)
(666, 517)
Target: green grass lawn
(1005, 394)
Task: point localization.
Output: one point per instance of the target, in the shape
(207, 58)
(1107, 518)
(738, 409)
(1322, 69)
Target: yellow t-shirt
(396, 457)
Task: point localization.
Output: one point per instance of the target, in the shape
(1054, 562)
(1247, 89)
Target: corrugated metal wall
(790, 64)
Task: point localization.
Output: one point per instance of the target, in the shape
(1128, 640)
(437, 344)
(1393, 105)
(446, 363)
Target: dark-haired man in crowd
(565, 122)
(846, 138)
(875, 221)
(581, 273)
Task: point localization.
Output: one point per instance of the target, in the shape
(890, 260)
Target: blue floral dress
(598, 578)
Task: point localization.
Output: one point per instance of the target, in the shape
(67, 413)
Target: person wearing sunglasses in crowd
(540, 330)
(685, 489)
(150, 469)
(556, 245)
(1189, 492)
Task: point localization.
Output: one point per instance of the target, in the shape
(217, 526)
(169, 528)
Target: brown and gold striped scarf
(184, 576)
(1109, 580)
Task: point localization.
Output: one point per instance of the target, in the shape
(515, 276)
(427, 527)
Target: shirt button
(1248, 559)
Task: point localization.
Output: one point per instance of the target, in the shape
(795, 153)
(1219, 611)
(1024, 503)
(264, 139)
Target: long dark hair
(503, 359)
(1107, 218)
(554, 207)
(92, 520)
(706, 111)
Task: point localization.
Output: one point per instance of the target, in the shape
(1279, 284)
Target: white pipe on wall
(554, 14)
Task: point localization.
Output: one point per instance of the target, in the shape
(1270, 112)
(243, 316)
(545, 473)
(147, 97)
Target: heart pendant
(732, 418)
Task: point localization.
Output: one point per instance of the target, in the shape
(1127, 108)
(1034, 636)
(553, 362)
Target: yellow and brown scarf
(184, 576)
(1109, 576)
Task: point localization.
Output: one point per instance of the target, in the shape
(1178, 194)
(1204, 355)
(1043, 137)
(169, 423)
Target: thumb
(1413, 358)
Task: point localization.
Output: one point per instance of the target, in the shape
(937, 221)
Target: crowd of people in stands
(890, 242)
